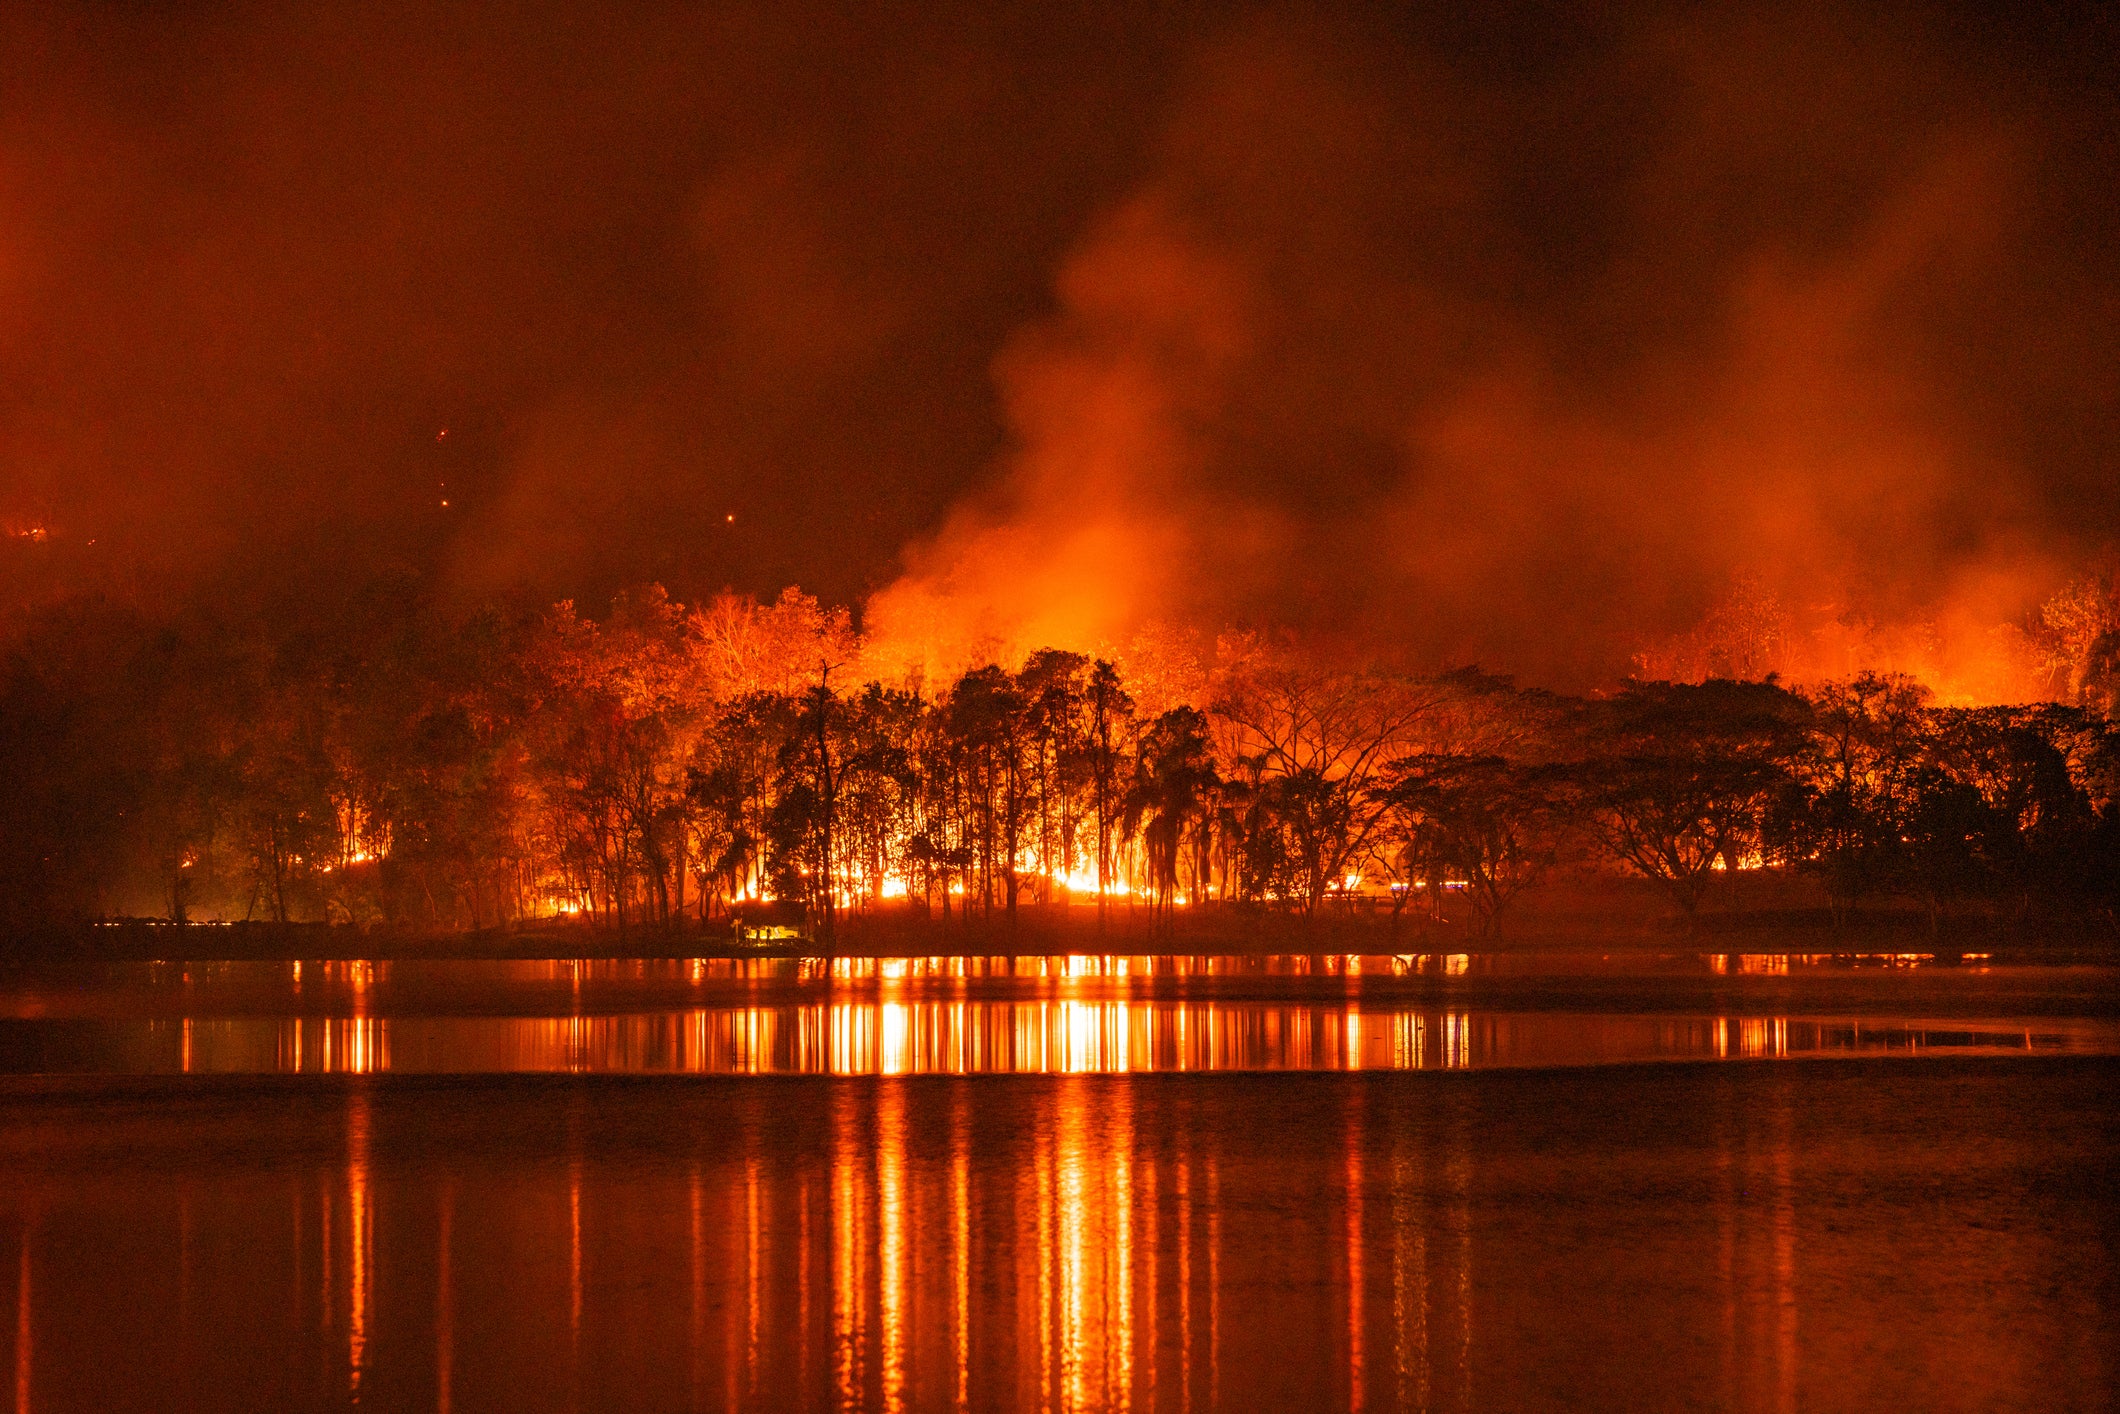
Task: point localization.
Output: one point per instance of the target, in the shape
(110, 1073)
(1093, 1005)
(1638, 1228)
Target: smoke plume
(1319, 370)
(1517, 336)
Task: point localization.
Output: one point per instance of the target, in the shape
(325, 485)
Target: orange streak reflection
(753, 1262)
(696, 1194)
(961, 1250)
(1070, 1036)
(1070, 1188)
(1118, 1253)
(360, 1241)
(849, 1271)
(574, 1268)
(1077, 1014)
(891, 1239)
(1354, 1256)
(1784, 1259)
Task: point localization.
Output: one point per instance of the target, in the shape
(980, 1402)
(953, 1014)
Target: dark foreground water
(1306, 1217)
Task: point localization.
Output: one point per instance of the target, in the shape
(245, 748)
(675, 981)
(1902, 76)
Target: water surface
(1035, 1015)
(1256, 1183)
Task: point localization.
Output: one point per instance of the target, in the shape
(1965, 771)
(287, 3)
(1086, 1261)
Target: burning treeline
(672, 767)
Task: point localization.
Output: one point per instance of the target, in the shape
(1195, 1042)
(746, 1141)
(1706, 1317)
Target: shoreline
(1050, 933)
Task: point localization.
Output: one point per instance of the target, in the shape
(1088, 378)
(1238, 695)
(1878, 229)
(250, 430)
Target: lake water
(1423, 1182)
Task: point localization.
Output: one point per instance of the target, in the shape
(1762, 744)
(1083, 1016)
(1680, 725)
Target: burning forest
(671, 769)
(1249, 704)
(1163, 414)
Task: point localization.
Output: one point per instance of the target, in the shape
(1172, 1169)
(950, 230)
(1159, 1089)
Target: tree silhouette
(1496, 827)
(1679, 777)
(1171, 798)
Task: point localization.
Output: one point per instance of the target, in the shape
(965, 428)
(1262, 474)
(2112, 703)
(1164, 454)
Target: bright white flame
(1084, 881)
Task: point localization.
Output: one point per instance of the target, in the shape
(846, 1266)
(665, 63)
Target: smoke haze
(1318, 369)
(1513, 340)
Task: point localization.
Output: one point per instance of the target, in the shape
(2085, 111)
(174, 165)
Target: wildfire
(1084, 881)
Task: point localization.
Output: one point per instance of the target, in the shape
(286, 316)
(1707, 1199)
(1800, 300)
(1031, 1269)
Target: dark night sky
(1507, 337)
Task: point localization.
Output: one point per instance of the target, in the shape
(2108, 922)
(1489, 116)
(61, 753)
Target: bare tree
(1310, 743)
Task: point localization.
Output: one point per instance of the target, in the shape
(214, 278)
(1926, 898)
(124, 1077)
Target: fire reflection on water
(360, 1221)
(1756, 1262)
(1784, 1189)
(1354, 1240)
(887, 1036)
(1079, 1241)
(696, 1327)
(960, 1209)
(958, 1016)
(849, 1313)
(1074, 1243)
(917, 1319)
(574, 1253)
(891, 1241)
